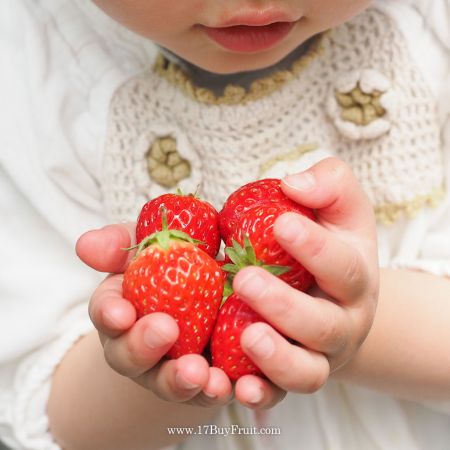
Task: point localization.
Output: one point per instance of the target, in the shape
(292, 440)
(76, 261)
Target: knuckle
(284, 375)
(307, 383)
(95, 302)
(338, 168)
(112, 360)
(92, 312)
(278, 397)
(342, 170)
(133, 355)
(122, 356)
(341, 176)
(317, 245)
(315, 382)
(99, 305)
(373, 294)
(362, 325)
(283, 308)
(329, 334)
(113, 283)
(355, 275)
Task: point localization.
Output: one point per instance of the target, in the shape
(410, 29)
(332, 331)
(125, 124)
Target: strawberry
(222, 263)
(226, 351)
(256, 226)
(198, 218)
(171, 274)
(250, 195)
(235, 315)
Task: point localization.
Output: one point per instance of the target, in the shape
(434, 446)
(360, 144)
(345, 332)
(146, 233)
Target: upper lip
(256, 17)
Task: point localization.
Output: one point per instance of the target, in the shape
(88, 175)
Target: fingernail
(261, 345)
(209, 395)
(252, 285)
(256, 395)
(154, 338)
(183, 383)
(289, 228)
(303, 181)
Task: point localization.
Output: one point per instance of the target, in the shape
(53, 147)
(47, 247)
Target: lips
(249, 37)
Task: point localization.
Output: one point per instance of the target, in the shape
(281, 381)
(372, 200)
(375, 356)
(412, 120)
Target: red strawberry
(249, 196)
(221, 263)
(256, 224)
(171, 274)
(187, 213)
(226, 351)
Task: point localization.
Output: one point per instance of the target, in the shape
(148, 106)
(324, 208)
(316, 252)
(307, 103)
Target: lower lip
(247, 39)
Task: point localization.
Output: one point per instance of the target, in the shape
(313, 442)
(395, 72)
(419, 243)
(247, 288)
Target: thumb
(331, 188)
(103, 249)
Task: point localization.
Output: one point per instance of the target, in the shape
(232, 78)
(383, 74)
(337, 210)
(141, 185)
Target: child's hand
(341, 252)
(135, 348)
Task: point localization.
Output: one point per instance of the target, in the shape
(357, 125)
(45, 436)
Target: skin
(175, 26)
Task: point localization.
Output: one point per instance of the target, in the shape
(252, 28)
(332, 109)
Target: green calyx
(244, 256)
(163, 237)
(227, 290)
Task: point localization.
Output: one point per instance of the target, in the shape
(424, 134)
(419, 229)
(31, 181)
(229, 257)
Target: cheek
(330, 13)
(153, 18)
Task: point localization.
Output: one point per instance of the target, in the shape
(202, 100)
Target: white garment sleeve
(43, 310)
(431, 251)
(58, 75)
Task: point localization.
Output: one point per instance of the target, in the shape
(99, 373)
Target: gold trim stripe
(390, 213)
(235, 94)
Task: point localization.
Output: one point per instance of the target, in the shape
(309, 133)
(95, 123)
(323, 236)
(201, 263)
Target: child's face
(227, 36)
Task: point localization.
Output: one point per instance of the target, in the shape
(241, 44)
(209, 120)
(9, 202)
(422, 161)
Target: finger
(142, 346)
(177, 380)
(319, 324)
(288, 366)
(339, 268)
(110, 313)
(218, 390)
(103, 249)
(331, 188)
(257, 393)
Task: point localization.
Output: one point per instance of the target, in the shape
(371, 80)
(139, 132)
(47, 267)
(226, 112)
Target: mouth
(249, 37)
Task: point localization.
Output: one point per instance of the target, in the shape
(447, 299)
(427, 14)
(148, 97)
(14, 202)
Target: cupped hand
(312, 334)
(136, 348)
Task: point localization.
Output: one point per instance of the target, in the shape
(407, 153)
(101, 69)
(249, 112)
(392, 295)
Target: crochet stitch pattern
(227, 142)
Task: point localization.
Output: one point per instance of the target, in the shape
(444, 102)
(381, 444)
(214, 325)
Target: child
(235, 91)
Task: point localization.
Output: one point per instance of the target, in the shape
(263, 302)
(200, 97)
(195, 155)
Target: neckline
(214, 89)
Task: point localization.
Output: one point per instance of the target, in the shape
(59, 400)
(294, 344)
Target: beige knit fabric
(395, 153)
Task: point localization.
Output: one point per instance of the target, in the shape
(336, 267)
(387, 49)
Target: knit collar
(211, 88)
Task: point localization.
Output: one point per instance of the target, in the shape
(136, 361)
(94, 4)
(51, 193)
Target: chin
(225, 63)
(226, 66)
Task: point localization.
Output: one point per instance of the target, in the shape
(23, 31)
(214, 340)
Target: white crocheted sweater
(357, 94)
